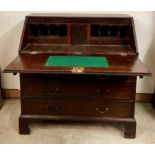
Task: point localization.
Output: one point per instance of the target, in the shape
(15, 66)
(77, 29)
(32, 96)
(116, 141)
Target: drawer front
(94, 108)
(59, 89)
(77, 77)
(65, 86)
(53, 89)
(47, 107)
(106, 108)
(106, 91)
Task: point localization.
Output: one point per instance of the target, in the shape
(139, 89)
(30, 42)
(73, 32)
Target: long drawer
(97, 108)
(78, 77)
(77, 89)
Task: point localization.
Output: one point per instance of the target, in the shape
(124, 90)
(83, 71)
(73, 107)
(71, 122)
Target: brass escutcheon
(77, 69)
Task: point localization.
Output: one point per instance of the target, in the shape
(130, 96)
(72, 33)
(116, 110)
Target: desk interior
(78, 49)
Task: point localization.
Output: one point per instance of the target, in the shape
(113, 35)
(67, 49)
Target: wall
(11, 24)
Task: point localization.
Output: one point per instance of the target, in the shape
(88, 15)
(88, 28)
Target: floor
(74, 133)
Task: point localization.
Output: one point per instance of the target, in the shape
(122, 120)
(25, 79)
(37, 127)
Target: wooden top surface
(118, 65)
(83, 15)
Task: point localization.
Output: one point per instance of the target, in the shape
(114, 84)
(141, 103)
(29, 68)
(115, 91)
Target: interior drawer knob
(53, 91)
(102, 111)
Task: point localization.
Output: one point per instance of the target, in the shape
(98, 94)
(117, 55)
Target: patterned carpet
(74, 133)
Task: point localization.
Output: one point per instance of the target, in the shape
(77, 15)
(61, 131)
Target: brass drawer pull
(108, 91)
(52, 92)
(48, 75)
(51, 76)
(104, 77)
(99, 92)
(102, 111)
(52, 108)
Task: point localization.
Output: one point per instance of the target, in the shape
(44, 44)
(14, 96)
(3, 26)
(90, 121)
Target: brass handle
(50, 75)
(102, 111)
(108, 91)
(98, 91)
(52, 108)
(104, 77)
(52, 92)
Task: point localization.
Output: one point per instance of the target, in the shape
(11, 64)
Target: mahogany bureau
(68, 93)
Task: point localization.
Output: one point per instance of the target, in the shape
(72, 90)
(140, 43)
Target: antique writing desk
(68, 90)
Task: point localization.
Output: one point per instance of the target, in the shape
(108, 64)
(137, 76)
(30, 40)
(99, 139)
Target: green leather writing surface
(77, 61)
